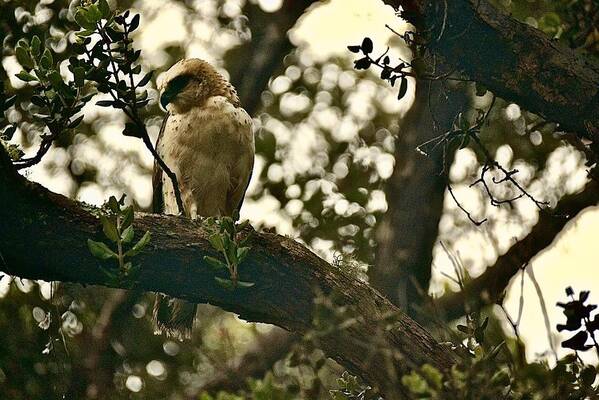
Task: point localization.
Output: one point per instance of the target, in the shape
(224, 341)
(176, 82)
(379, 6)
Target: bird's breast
(216, 127)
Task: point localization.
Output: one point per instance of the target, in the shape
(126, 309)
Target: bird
(207, 141)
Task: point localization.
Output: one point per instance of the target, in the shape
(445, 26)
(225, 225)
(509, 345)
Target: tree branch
(514, 60)
(43, 236)
(489, 287)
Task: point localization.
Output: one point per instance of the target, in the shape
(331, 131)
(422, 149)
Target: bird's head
(190, 82)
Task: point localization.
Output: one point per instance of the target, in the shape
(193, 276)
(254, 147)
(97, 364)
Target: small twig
(513, 324)
(535, 283)
(444, 23)
(474, 221)
(133, 114)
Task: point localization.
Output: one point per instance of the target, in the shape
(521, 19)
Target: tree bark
(415, 195)
(514, 60)
(43, 236)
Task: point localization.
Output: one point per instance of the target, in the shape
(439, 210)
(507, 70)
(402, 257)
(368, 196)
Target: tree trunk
(415, 196)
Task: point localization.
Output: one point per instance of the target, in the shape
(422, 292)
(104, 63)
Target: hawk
(207, 140)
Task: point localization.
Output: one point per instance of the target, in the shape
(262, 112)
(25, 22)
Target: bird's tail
(173, 317)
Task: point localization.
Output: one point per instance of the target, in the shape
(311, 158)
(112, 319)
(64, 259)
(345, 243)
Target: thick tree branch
(514, 60)
(489, 287)
(43, 236)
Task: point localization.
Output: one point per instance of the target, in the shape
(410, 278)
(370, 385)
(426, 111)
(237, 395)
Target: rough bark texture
(415, 195)
(515, 61)
(43, 236)
(489, 287)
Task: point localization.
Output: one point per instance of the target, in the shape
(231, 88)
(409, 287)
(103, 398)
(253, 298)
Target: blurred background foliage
(327, 140)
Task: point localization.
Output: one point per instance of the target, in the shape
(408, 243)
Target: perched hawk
(206, 139)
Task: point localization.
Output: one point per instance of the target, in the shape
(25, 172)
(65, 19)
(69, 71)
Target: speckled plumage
(207, 140)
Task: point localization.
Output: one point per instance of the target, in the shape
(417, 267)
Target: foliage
(388, 73)
(57, 100)
(492, 366)
(117, 225)
(579, 319)
(224, 238)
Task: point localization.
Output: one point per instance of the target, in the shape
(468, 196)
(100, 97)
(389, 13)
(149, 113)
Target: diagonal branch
(489, 287)
(514, 60)
(43, 236)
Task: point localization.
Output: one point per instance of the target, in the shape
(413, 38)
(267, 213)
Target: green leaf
(225, 283)
(127, 235)
(242, 253)
(75, 122)
(127, 217)
(93, 13)
(47, 61)
(139, 246)
(26, 76)
(23, 57)
(83, 21)
(228, 225)
(215, 262)
(109, 228)
(100, 250)
(36, 44)
(216, 240)
(230, 249)
(113, 204)
(55, 79)
(79, 74)
(242, 225)
(104, 8)
(245, 285)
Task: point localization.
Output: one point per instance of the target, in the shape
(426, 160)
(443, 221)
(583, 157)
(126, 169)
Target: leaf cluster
(578, 319)
(111, 62)
(57, 100)
(389, 73)
(117, 226)
(224, 238)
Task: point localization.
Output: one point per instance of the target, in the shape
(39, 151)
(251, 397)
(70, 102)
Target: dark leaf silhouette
(362, 63)
(577, 342)
(367, 45)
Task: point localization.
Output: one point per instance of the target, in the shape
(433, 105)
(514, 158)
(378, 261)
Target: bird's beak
(167, 97)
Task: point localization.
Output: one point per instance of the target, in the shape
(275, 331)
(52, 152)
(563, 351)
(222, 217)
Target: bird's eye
(178, 83)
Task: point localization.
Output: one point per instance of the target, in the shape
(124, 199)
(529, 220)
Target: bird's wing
(237, 195)
(242, 172)
(158, 196)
